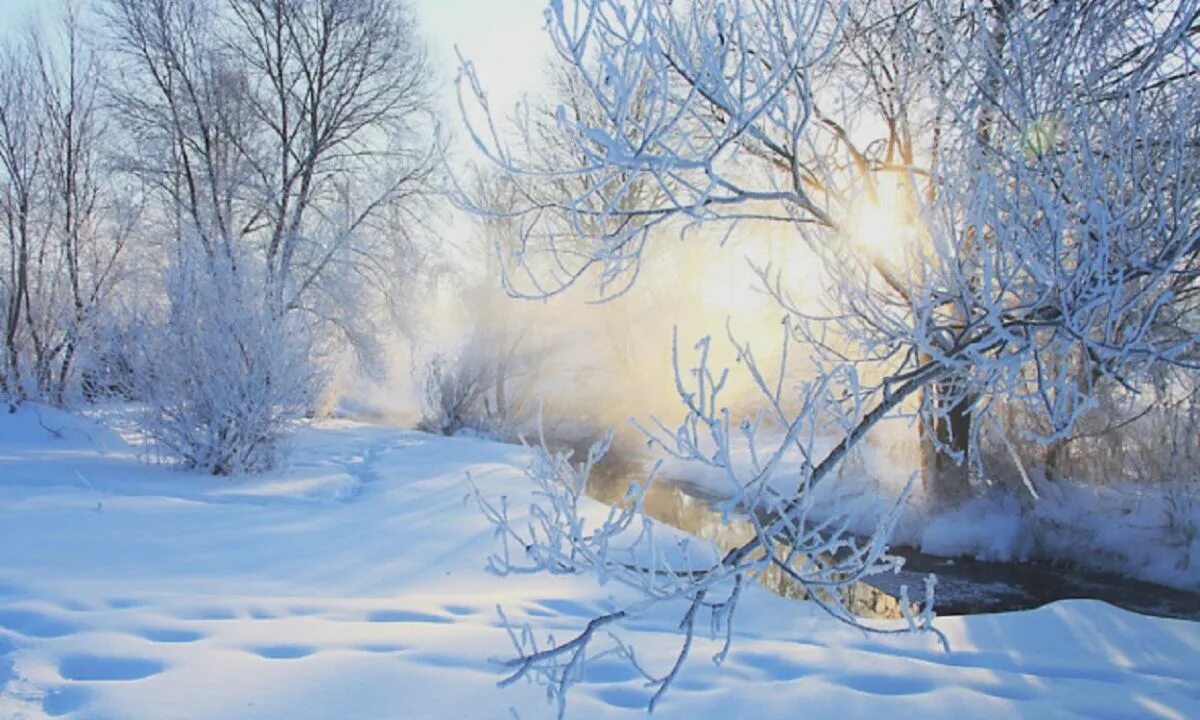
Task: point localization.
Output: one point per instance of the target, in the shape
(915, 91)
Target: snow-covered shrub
(106, 370)
(455, 395)
(223, 374)
(473, 389)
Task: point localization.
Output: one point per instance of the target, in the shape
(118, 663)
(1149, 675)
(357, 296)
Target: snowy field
(350, 585)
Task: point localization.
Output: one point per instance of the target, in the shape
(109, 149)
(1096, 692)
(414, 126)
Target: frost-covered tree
(1000, 196)
(65, 228)
(294, 128)
(288, 143)
(23, 150)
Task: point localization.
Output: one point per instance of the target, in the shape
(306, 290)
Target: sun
(880, 227)
(874, 228)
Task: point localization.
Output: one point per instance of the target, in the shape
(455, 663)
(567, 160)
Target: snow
(1148, 532)
(351, 584)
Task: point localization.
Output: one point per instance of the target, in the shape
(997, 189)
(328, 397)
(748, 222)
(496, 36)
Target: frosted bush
(224, 374)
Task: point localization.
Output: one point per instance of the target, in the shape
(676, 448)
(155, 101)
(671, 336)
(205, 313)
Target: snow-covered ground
(350, 585)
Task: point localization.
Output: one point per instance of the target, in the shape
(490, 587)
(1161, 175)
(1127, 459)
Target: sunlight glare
(878, 228)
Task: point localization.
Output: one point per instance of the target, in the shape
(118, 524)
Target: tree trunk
(946, 433)
(945, 446)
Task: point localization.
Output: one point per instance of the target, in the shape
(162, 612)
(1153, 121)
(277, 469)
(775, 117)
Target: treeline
(201, 199)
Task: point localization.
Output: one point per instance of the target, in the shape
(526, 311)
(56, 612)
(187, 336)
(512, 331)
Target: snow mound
(34, 428)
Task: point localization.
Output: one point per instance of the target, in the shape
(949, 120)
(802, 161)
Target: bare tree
(23, 156)
(179, 101)
(291, 126)
(94, 225)
(64, 235)
(997, 194)
(341, 90)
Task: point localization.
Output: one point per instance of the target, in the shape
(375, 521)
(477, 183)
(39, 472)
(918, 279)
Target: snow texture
(351, 584)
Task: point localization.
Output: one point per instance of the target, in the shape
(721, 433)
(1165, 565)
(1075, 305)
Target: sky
(503, 38)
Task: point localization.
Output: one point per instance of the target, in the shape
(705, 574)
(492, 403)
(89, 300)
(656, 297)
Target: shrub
(224, 374)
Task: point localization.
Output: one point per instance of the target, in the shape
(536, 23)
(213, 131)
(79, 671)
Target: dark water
(965, 586)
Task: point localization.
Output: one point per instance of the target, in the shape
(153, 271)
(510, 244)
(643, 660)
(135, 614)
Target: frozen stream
(966, 586)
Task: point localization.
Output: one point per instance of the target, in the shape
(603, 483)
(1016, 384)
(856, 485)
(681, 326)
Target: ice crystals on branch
(562, 532)
(1044, 160)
